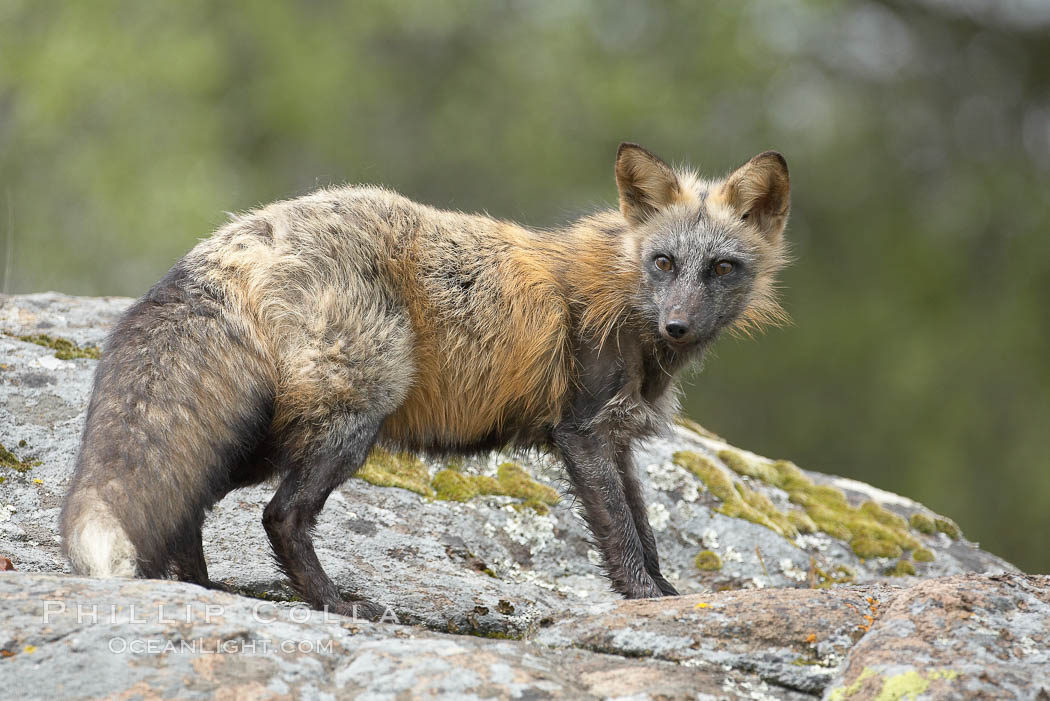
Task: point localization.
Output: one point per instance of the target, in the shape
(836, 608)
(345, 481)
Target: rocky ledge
(796, 584)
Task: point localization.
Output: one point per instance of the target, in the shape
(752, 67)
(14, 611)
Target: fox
(302, 334)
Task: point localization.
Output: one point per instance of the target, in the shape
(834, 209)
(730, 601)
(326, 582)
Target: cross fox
(304, 333)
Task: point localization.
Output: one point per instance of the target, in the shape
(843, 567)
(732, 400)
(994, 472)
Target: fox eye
(723, 267)
(663, 263)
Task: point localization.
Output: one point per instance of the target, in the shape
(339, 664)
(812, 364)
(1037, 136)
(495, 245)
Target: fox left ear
(645, 182)
(760, 192)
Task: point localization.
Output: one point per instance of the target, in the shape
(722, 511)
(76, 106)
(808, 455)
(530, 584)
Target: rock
(70, 637)
(968, 636)
(476, 547)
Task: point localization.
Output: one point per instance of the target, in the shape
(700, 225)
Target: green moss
(511, 481)
(830, 521)
(12, 462)
(923, 523)
(696, 428)
(761, 504)
(453, 486)
(738, 500)
(404, 470)
(801, 521)
(713, 477)
(903, 568)
(514, 481)
(922, 555)
(63, 347)
(870, 529)
(789, 475)
(883, 515)
(948, 527)
(707, 561)
(743, 465)
(867, 548)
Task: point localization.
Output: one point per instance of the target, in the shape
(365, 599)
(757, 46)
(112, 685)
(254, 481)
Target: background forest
(918, 135)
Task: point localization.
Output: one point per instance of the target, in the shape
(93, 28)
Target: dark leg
(591, 464)
(188, 562)
(321, 463)
(635, 502)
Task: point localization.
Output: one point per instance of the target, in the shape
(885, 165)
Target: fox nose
(676, 328)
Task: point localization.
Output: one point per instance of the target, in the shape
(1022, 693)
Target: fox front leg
(636, 503)
(591, 464)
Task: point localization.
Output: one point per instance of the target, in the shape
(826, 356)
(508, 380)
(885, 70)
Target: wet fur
(301, 334)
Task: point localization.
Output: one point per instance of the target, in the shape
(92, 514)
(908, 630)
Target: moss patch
(870, 529)
(922, 555)
(801, 521)
(64, 348)
(511, 481)
(12, 461)
(696, 428)
(867, 548)
(707, 561)
(743, 465)
(404, 470)
(716, 481)
(923, 524)
(514, 481)
(451, 485)
(948, 527)
(903, 568)
(883, 516)
(738, 500)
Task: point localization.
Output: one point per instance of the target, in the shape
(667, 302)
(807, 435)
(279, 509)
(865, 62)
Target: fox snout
(682, 319)
(676, 329)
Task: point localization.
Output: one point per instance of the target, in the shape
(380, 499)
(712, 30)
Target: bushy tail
(183, 394)
(94, 539)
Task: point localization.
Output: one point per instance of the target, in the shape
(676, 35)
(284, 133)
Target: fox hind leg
(315, 464)
(188, 564)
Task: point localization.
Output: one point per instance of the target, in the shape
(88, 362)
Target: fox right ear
(760, 192)
(645, 182)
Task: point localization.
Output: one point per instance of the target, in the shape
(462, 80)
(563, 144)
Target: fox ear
(645, 182)
(760, 192)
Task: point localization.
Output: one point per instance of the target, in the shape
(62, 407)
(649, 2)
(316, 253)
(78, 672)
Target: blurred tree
(918, 136)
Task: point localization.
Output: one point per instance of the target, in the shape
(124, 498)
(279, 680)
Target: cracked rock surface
(498, 599)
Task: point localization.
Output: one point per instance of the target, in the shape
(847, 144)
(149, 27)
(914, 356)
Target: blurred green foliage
(918, 136)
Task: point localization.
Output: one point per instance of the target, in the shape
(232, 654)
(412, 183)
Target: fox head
(708, 250)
